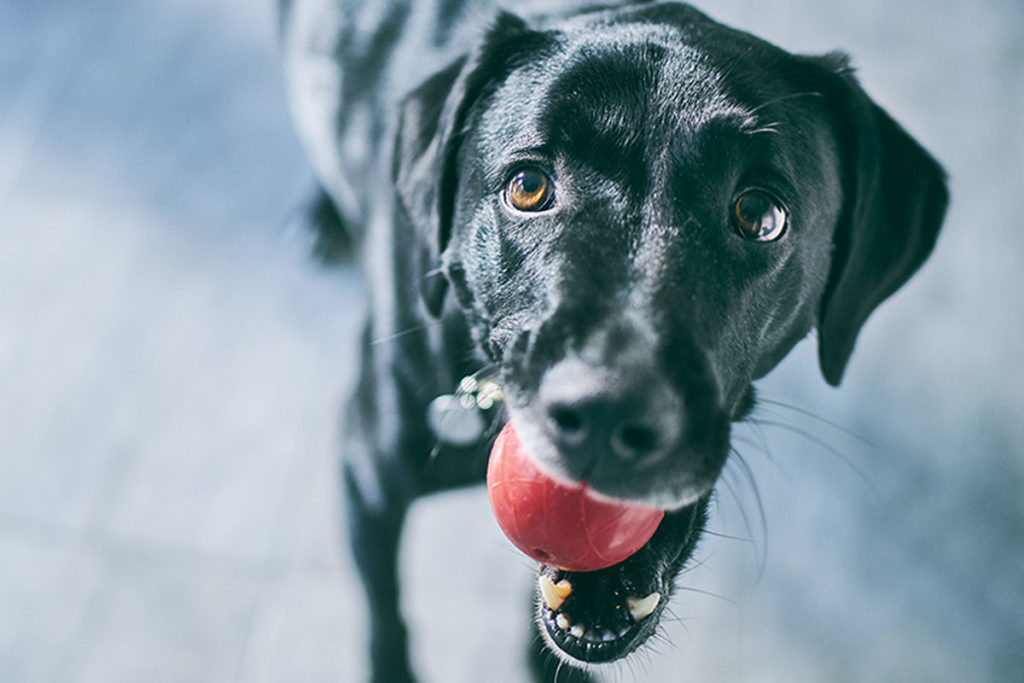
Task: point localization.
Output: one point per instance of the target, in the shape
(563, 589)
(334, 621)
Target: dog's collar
(459, 419)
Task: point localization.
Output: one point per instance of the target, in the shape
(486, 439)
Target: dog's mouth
(600, 616)
(596, 617)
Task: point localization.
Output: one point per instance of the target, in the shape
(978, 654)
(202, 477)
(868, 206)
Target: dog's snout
(607, 419)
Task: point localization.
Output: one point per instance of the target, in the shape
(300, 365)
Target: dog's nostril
(568, 421)
(634, 440)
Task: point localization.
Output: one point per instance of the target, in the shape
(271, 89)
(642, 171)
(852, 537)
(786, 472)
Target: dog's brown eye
(758, 217)
(530, 190)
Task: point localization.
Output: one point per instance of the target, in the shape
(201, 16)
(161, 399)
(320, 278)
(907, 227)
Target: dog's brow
(602, 95)
(753, 123)
(610, 98)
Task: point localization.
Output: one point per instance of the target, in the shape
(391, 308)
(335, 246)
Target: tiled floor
(171, 364)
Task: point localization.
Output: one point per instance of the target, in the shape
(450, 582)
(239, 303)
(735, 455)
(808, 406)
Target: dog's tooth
(641, 608)
(577, 630)
(562, 622)
(554, 594)
(608, 636)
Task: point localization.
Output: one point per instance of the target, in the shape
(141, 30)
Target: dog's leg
(378, 491)
(375, 531)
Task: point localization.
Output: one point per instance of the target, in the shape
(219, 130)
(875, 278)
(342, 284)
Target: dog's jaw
(603, 616)
(627, 623)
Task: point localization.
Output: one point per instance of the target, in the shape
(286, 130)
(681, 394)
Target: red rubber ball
(562, 525)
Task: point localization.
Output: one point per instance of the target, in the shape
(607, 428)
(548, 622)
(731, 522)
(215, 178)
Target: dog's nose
(595, 423)
(607, 418)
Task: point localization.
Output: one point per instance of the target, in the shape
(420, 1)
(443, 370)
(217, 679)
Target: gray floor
(171, 363)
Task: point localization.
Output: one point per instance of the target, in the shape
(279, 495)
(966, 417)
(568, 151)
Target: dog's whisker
(760, 550)
(727, 482)
(712, 594)
(783, 98)
(652, 647)
(674, 618)
(398, 335)
(633, 666)
(824, 445)
(669, 616)
(763, 437)
(758, 440)
(818, 418)
(558, 669)
(763, 548)
(728, 537)
(639, 668)
(748, 474)
(623, 670)
(772, 128)
(663, 637)
(748, 441)
(644, 666)
(693, 564)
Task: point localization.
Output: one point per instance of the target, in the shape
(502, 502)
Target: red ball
(562, 525)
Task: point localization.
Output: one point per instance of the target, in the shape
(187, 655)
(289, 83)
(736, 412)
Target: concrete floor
(171, 363)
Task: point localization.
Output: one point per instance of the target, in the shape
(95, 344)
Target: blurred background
(171, 364)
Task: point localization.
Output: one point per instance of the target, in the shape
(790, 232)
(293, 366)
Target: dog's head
(640, 212)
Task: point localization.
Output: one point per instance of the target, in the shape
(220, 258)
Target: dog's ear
(432, 122)
(895, 199)
(425, 148)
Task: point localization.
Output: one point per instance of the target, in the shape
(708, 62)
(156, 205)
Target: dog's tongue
(566, 526)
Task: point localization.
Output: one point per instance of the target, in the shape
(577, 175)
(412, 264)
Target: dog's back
(347, 62)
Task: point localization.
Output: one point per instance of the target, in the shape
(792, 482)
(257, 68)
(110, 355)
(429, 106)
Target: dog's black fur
(625, 320)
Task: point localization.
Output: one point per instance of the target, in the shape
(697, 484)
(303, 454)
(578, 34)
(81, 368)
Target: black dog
(623, 216)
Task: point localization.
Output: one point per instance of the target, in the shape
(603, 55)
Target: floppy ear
(895, 199)
(425, 150)
(432, 122)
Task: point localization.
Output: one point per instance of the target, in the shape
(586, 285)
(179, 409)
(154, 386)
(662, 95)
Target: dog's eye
(530, 189)
(758, 217)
